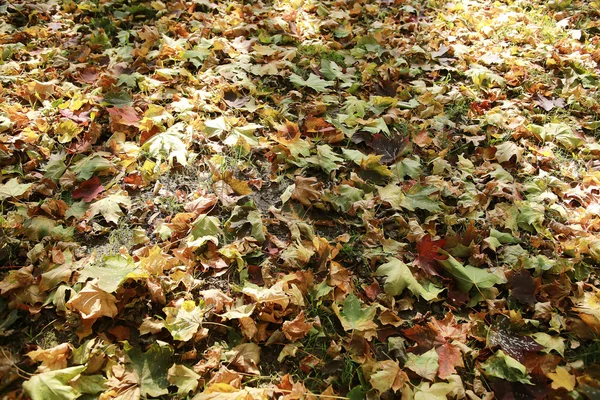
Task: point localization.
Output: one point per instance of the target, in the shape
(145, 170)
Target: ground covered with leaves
(299, 199)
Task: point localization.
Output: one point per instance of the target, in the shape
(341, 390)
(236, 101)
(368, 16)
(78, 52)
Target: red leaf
(449, 357)
(125, 115)
(88, 190)
(428, 254)
(425, 337)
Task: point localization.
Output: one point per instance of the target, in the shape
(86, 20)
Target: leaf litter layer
(299, 199)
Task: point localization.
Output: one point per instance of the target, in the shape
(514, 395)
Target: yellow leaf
(562, 379)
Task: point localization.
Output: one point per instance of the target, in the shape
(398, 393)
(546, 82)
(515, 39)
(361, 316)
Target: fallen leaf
(88, 190)
(297, 328)
(561, 378)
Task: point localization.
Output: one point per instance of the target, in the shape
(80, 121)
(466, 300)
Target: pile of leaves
(299, 199)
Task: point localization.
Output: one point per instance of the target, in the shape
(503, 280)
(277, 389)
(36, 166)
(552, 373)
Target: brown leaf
(93, 302)
(388, 147)
(522, 286)
(297, 328)
(217, 299)
(16, 279)
(52, 359)
(306, 190)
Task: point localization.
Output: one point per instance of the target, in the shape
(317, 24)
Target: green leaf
(399, 277)
(13, 188)
(407, 167)
(205, 228)
(152, 367)
(183, 321)
(559, 132)
(53, 385)
(110, 275)
(332, 71)
(184, 378)
(505, 367)
(117, 99)
(353, 317)
(426, 365)
(550, 343)
(355, 106)
(531, 215)
(169, 145)
(418, 197)
(39, 227)
(91, 165)
(347, 195)
(467, 277)
(110, 207)
(258, 231)
(327, 159)
(376, 126)
(91, 384)
(56, 167)
(58, 273)
(243, 134)
(313, 82)
(504, 238)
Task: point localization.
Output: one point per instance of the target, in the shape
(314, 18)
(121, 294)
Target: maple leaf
(92, 164)
(183, 321)
(426, 365)
(109, 207)
(125, 115)
(306, 190)
(13, 188)
(399, 277)
(184, 378)
(151, 367)
(313, 82)
(505, 367)
(512, 343)
(467, 277)
(21, 277)
(505, 151)
(562, 379)
(246, 357)
(53, 385)
(428, 254)
(216, 299)
(57, 273)
(88, 190)
(52, 359)
(67, 130)
(522, 286)
(353, 317)
(93, 302)
(449, 358)
(111, 274)
(390, 147)
(297, 328)
(386, 375)
(168, 144)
